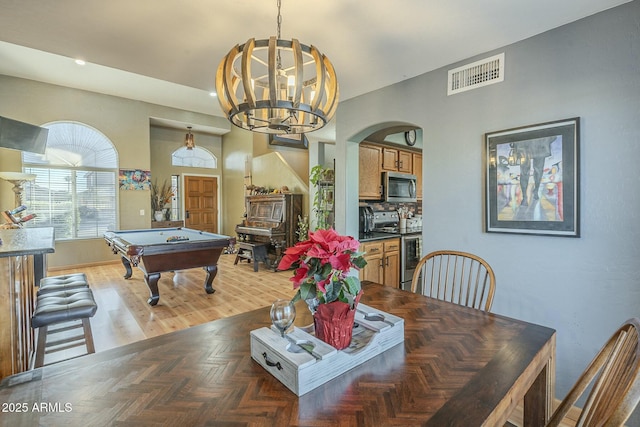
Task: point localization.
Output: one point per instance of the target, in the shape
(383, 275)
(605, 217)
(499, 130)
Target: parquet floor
(124, 316)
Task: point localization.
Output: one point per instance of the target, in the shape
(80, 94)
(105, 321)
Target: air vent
(480, 73)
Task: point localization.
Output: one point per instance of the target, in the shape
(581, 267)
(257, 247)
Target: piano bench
(251, 251)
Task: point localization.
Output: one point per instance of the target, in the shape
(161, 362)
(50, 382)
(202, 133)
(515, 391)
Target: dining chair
(457, 277)
(615, 374)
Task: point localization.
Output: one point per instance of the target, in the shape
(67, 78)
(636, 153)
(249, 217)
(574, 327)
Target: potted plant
(160, 197)
(322, 177)
(326, 267)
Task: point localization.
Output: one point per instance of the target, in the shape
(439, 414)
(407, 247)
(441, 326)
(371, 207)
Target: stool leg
(42, 344)
(88, 336)
(237, 256)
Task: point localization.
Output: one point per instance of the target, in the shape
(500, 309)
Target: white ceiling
(167, 51)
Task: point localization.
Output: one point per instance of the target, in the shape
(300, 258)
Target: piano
(271, 219)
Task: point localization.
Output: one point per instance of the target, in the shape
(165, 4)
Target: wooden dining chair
(615, 374)
(457, 277)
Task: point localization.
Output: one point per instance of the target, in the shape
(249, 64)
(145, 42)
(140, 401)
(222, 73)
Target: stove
(410, 243)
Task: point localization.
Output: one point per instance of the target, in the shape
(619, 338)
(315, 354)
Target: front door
(201, 203)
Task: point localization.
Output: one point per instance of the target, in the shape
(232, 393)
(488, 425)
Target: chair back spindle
(457, 277)
(615, 375)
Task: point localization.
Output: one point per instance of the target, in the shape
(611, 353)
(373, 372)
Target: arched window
(76, 182)
(195, 158)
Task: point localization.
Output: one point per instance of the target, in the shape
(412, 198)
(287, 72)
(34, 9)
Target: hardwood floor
(124, 316)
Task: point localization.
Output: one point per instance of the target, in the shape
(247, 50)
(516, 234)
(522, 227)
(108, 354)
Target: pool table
(168, 249)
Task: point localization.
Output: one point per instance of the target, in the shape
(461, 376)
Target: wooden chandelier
(277, 86)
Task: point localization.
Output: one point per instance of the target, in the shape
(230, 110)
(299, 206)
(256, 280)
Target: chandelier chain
(279, 20)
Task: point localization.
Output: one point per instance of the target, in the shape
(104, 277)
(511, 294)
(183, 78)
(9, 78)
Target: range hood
(22, 136)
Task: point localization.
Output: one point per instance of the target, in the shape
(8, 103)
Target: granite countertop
(26, 241)
(378, 235)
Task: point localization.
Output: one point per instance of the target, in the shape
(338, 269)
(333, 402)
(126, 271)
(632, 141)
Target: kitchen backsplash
(414, 208)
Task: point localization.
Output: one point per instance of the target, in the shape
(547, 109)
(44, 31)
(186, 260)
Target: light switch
(141, 212)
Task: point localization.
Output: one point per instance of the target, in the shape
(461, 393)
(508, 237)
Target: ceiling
(166, 52)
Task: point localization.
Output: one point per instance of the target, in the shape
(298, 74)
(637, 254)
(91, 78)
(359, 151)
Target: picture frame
(134, 179)
(294, 140)
(546, 156)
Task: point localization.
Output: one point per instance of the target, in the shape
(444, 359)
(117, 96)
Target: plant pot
(333, 323)
(158, 216)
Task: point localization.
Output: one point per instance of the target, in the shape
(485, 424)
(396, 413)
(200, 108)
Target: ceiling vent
(480, 73)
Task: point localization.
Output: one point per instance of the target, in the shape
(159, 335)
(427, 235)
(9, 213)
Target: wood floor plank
(124, 316)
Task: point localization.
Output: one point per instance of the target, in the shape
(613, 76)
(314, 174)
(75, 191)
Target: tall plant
(320, 173)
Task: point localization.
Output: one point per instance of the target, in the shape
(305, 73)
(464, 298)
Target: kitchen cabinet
(417, 171)
(370, 178)
(383, 262)
(396, 160)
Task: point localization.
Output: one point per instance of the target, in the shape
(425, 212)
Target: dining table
(457, 366)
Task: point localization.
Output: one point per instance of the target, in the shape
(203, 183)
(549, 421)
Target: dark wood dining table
(457, 367)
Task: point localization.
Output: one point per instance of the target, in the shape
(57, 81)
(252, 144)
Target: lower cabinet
(383, 262)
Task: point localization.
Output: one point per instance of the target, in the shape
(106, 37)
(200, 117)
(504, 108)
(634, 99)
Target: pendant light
(277, 86)
(188, 140)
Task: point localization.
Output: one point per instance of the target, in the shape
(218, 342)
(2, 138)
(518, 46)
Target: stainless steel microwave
(399, 187)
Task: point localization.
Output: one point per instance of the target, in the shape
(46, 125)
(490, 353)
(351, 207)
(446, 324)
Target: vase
(333, 322)
(158, 215)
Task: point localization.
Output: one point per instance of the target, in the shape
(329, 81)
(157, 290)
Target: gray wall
(583, 287)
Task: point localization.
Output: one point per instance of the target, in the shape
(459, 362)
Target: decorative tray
(302, 362)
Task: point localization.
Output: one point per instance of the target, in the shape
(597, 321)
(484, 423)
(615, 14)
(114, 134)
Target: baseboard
(74, 266)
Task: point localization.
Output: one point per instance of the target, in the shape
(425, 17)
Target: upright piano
(271, 219)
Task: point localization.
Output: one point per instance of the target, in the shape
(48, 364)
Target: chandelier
(188, 140)
(277, 86)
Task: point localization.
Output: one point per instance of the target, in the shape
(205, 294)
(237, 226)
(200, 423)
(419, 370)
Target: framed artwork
(532, 179)
(295, 140)
(134, 179)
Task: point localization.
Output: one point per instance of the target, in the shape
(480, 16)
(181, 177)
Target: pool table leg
(127, 266)
(152, 283)
(212, 270)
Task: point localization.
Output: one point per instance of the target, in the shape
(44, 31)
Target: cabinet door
(389, 159)
(392, 263)
(374, 270)
(370, 178)
(417, 171)
(392, 269)
(405, 162)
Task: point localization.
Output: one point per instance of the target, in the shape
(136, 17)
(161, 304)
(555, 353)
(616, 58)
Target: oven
(410, 254)
(410, 242)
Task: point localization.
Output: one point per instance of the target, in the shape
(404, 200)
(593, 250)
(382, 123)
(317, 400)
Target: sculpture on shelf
(17, 179)
(14, 218)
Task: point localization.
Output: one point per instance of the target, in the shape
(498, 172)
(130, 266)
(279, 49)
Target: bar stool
(63, 283)
(59, 307)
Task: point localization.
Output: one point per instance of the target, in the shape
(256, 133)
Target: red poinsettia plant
(324, 265)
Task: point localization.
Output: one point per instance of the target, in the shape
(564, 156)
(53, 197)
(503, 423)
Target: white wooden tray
(302, 371)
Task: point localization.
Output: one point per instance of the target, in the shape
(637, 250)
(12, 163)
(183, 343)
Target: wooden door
(390, 159)
(392, 263)
(369, 173)
(405, 163)
(417, 171)
(201, 203)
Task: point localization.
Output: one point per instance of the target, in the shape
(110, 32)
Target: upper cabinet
(396, 160)
(417, 171)
(370, 177)
(375, 159)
